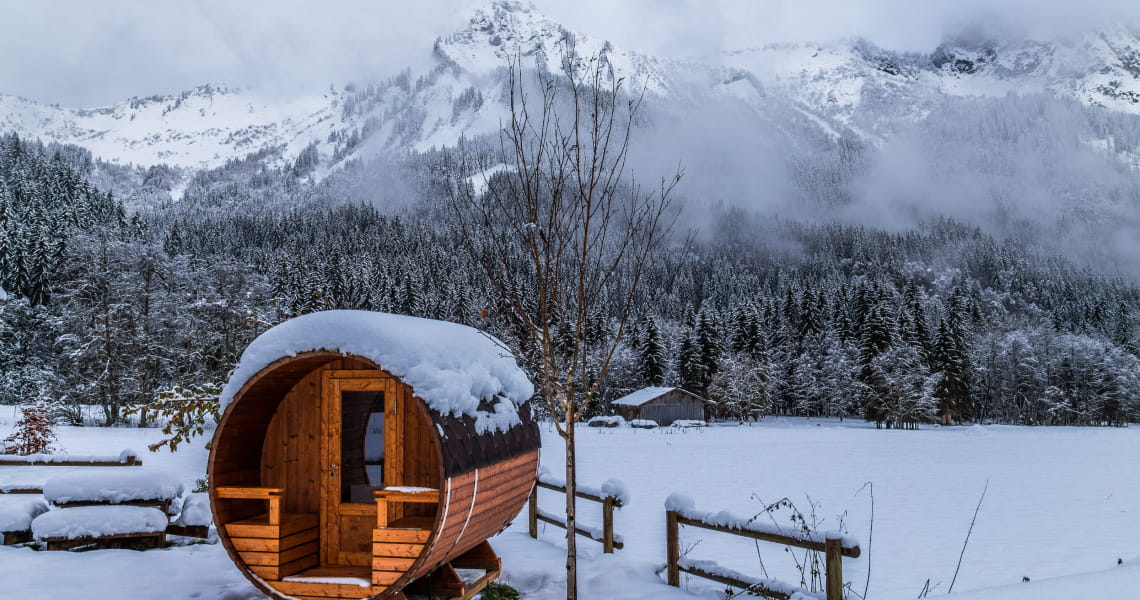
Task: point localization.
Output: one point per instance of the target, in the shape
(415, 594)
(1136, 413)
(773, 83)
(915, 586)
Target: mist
(82, 53)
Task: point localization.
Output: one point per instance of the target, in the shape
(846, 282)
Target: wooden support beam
(608, 526)
(833, 553)
(578, 530)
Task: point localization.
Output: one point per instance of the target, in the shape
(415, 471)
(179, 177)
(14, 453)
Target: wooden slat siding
(673, 406)
(493, 510)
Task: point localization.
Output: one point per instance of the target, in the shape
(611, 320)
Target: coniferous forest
(116, 294)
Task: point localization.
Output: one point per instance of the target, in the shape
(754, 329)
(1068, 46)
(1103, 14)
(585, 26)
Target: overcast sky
(92, 52)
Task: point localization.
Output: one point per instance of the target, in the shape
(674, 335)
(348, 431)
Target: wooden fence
(834, 550)
(609, 540)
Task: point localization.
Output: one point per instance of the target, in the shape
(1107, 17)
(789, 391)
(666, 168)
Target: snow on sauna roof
(451, 367)
(646, 394)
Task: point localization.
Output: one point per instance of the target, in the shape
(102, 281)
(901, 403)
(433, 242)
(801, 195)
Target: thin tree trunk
(571, 520)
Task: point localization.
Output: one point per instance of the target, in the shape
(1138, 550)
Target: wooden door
(353, 402)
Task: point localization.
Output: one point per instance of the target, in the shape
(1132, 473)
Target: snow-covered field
(1062, 506)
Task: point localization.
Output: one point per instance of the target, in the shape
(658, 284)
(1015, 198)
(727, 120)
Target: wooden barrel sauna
(334, 475)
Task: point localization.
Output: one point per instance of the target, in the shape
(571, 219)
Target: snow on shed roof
(451, 367)
(651, 393)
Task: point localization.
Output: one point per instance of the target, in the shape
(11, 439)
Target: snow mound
(195, 511)
(451, 367)
(679, 502)
(976, 431)
(87, 486)
(17, 512)
(96, 521)
(617, 490)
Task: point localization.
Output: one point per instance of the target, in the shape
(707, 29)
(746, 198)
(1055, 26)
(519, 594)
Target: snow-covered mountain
(848, 89)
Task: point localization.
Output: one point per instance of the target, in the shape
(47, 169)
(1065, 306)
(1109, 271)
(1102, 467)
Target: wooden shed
(662, 404)
(367, 455)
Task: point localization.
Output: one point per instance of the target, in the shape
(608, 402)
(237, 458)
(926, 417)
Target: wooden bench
(275, 544)
(101, 527)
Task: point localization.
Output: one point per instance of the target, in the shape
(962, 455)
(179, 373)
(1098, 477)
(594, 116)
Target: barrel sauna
(366, 455)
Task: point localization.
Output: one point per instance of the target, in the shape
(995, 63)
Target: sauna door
(357, 423)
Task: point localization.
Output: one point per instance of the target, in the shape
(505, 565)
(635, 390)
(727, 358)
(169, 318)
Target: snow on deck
(328, 579)
(451, 367)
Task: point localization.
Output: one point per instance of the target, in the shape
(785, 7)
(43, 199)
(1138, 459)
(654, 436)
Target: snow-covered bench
(101, 526)
(610, 421)
(643, 424)
(194, 518)
(137, 488)
(126, 458)
(16, 515)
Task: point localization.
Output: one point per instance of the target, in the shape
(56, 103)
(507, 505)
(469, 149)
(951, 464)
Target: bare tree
(562, 236)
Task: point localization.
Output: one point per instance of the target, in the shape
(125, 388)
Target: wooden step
(401, 536)
(397, 550)
(259, 527)
(273, 559)
(274, 545)
(286, 569)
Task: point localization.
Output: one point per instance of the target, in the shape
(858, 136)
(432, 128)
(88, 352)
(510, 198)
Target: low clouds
(83, 52)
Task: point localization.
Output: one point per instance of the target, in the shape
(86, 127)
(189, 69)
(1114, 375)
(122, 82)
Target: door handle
(332, 470)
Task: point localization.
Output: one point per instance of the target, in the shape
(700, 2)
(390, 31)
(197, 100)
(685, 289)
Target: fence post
(833, 551)
(673, 549)
(608, 525)
(533, 516)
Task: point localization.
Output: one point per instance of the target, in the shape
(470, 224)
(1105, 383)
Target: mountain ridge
(845, 89)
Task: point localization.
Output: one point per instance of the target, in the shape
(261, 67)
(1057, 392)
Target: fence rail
(125, 459)
(834, 549)
(607, 537)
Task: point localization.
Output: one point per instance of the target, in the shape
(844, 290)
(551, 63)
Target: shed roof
(451, 367)
(652, 393)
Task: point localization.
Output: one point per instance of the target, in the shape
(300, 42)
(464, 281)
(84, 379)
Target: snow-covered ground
(1063, 505)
